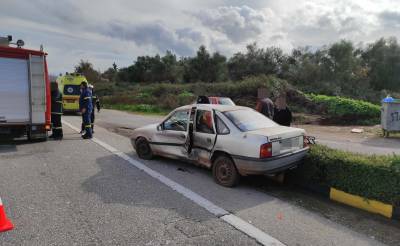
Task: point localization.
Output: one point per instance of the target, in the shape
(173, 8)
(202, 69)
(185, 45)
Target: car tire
(225, 172)
(143, 149)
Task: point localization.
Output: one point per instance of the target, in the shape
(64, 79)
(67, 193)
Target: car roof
(218, 97)
(218, 107)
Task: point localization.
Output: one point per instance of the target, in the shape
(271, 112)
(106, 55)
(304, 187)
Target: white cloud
(237, 23)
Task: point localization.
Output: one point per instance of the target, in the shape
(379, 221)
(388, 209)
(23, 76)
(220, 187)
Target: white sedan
(233, 141)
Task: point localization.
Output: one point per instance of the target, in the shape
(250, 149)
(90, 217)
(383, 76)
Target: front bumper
(256, 166)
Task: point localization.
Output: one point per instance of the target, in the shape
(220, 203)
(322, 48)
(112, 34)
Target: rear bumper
(257, 166)
(71, 107)
(71, 104)
(19, 129)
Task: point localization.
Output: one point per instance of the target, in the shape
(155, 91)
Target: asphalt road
(75, 192)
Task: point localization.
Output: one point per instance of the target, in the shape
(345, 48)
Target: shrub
(185, 98)
(170, 95)
(345, 107)
(136, 108)
(373, 177)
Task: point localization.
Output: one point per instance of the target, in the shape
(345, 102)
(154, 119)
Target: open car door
(171, 135)
(204, 136)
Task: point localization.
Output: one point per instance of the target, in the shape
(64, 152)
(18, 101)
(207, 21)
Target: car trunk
(284, 139)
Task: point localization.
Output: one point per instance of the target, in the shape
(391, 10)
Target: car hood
(278, 132)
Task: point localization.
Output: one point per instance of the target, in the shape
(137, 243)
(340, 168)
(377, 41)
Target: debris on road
(357, 130)
(181, 169)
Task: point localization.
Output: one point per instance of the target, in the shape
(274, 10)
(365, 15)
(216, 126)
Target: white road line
(221, 213)
(250, 230)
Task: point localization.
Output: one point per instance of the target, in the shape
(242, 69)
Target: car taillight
(266, 150)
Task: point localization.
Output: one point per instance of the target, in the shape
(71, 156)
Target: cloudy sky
(120, 30)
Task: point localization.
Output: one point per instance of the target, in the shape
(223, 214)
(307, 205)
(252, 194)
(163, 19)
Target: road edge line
(250, 230)
(219, 212)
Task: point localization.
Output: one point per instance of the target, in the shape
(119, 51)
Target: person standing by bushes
(264, 104)
(282, 114)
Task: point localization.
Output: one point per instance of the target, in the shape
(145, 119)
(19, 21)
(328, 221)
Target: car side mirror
(159, 127)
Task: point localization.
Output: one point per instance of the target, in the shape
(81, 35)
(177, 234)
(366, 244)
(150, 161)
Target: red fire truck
(24, 91)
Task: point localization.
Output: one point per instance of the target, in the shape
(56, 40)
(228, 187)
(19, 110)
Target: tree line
(341, 68)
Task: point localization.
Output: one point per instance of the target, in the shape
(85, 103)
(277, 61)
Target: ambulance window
(72, 90)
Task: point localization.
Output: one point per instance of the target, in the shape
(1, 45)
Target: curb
(362, 203)
(372, 206)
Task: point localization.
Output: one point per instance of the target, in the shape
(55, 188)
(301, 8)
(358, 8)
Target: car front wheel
(224, 171)
(143, 149)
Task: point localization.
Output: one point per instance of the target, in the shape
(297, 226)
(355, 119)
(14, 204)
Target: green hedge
(373, 177)
(345, 107)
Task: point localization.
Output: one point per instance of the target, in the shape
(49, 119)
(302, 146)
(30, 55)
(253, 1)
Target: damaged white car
(233, 141)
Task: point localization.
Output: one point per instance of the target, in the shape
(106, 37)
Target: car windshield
(249, 120)
(72, 90)
(226, 101)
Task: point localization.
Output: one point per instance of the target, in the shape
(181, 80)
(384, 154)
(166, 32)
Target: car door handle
(182, 136)
(208, 140)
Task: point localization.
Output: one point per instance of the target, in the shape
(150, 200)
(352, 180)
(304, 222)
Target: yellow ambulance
(69, 85)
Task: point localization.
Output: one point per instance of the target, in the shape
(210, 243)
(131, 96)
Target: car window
(249, 120)
(204, 122)
(177, 121)
(221, 127)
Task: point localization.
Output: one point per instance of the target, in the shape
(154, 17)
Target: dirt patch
(341, 132)
(121, 130)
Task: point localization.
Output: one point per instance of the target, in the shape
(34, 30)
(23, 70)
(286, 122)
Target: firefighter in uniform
(86, 107)
(56, 112)
(96, 103)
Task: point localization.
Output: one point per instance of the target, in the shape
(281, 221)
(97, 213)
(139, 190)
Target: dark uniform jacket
(85, 100)
(56, 102)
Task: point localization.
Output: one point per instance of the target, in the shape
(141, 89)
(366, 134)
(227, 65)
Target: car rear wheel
(143, 149)
(224, 171)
